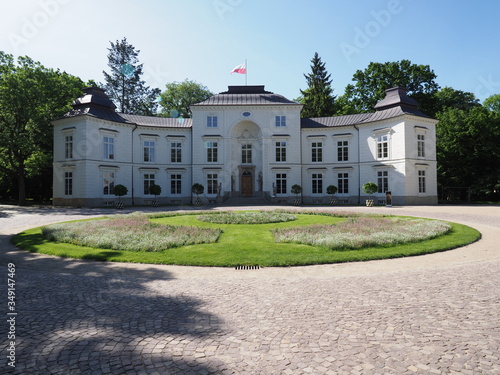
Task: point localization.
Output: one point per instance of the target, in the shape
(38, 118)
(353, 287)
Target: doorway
(246, 184)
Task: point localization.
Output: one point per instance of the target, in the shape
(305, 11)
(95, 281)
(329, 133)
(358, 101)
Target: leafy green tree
(371, 83)
(124, 85)
(179, 96)
(317, 98)
(448, 97)
(120, 190)
(467, 149)
(31, 96)
(493, 103)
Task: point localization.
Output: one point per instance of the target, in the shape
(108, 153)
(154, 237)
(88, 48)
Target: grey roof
(246, 95)
(322, 122)
(396, 103)
(97, 104)
(396, 96)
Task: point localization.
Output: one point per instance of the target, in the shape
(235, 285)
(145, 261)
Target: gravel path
(433, 314)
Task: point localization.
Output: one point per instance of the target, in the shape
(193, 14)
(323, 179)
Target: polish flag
(240, 69)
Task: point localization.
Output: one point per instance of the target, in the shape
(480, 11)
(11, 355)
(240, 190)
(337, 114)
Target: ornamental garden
(246, 238)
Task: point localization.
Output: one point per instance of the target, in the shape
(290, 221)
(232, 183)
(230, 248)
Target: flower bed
(128, 232)
(262, 217)
(357, 233)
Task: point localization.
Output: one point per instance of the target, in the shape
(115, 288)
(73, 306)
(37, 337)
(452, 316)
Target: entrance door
(246, 184)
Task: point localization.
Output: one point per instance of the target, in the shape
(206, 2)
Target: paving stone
(85, 317)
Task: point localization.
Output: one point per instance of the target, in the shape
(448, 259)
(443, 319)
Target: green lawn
(247, 244)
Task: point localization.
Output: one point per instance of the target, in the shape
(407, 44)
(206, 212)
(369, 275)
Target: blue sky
(203, 40)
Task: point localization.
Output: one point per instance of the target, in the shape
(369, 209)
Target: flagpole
(246, 73)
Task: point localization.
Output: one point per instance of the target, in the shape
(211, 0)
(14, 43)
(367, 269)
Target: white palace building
(247, 143)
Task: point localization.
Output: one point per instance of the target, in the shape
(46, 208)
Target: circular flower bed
(262, 217)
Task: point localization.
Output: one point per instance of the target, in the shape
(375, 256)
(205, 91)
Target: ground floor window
(175, 184)
(383, 181)
(212, 182)
(280, 183)
(149, 180)
(421, 182)
(317, 183)
(68, 183)
(343, 183)
(108, 183)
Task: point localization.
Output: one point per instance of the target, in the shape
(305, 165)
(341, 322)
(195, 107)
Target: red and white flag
(240, 69)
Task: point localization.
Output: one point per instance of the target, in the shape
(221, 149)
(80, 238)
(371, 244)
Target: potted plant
(197, 189)
(155, 190)
(370, 188)
(296, 189)
(120, 190)
(332, 190)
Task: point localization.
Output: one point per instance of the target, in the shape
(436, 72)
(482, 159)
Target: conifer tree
(317, 98)
(124, 85)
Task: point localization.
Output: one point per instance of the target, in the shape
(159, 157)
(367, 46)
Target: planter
(370, 202)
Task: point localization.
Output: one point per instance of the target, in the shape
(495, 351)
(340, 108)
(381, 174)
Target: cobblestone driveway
(435, 314)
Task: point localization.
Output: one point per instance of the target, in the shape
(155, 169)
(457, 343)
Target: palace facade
(245, 142)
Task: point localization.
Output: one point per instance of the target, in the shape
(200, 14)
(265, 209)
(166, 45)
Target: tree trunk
(22, 189)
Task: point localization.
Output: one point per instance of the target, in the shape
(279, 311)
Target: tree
(493, 103)
(331, 190)
(317, 98)
(370, 84)
(197, 189)
(120, 190)
(448, 97)
(155, 190)
(370, 188)
(31, 96)
(178, 97)
(124, 85)
(467, 149)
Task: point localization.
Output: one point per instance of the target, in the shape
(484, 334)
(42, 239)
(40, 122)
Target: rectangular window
(383, 181)
(176, 152)
(149, 151)
(421, 182)
(342, 150)
(175, 184)
(421, 146)
(280, 183)
(109, 148)
(280, 121)
(212, 183)
(211, 121)
(280, 151)
(108, 183)
(317, 152)
(317, 183)
(246, 154)
(68, 147)
(343, 183)
(383, 147)
(212, 154)
(68, 183)
(149, 180)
